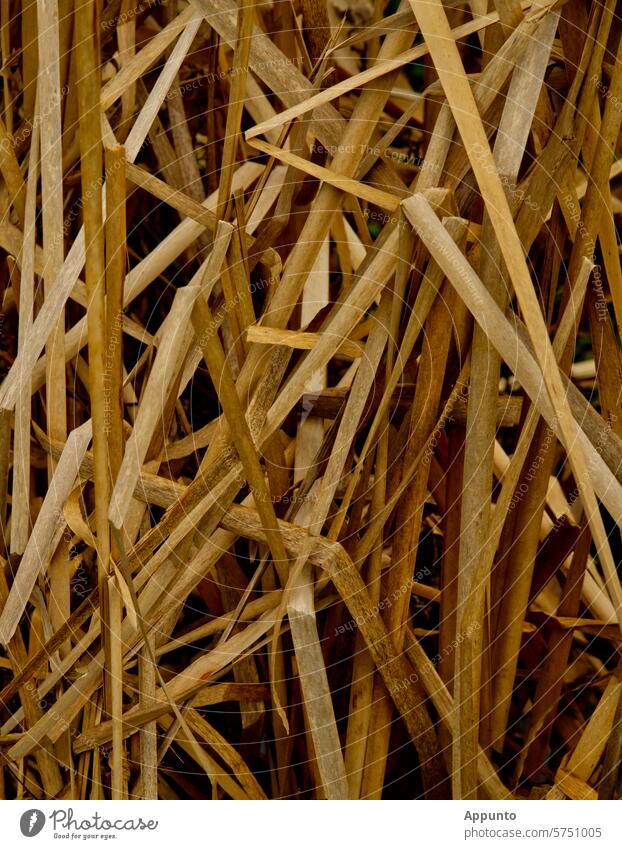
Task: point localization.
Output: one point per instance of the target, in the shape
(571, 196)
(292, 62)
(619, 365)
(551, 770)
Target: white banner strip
(271, 825)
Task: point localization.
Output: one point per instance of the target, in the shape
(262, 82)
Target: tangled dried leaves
(310, 414)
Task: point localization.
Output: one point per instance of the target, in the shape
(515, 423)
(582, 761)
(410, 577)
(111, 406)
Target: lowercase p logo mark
(31, 822)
